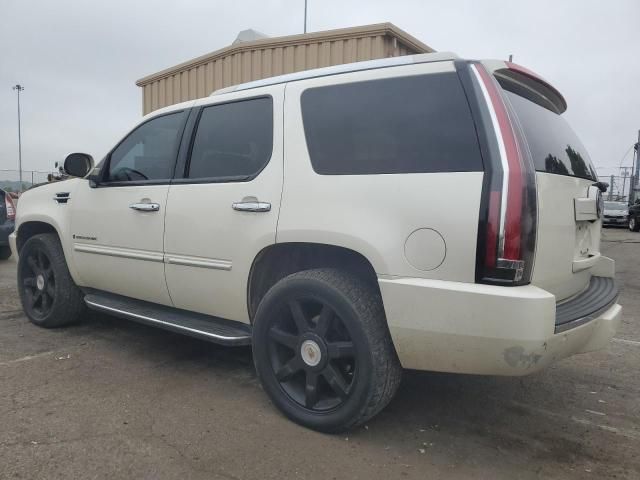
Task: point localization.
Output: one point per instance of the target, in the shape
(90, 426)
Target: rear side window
(415, 124)
(553, 144)
(233, 140)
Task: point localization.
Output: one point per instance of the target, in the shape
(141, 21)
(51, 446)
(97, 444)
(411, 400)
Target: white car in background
(615, 214)
(303, 215)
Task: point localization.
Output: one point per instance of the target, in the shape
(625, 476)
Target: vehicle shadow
(455, 416)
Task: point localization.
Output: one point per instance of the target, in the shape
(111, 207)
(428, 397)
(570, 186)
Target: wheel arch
(29, 228)
(279, 260)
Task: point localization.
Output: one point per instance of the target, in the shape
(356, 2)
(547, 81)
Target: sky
(78, 60)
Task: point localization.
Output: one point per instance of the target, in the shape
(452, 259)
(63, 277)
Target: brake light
(508, 224)
(10, 207)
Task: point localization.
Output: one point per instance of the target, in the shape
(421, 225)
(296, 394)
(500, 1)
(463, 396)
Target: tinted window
(401, 125)
(233, 140)
(554, 146)
(149, 152)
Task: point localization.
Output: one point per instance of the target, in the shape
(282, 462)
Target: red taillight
(506, 229)
(10, 207)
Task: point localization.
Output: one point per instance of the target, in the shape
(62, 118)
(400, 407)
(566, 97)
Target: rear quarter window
(554, 146)
(415, 124)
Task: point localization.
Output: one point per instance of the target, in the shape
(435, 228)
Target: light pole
(305, 16)
(19, 88)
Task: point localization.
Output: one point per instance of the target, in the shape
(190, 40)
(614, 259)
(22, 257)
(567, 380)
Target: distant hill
(13, 185)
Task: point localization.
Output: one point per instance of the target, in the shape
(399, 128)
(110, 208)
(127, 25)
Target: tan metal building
(244, 61)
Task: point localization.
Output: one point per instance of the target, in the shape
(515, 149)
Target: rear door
(225, 209)
(569, 206)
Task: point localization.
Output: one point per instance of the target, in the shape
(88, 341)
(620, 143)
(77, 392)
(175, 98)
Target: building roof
(272, 42)
(342, 68)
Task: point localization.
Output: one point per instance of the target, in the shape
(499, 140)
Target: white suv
(422, 212)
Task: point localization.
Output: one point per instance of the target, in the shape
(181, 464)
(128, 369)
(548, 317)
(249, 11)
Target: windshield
(554, 146)
(615, 205)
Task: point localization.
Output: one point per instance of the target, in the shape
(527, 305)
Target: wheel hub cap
(40, 282)
(310, 353)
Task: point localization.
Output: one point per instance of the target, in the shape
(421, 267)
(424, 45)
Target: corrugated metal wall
(252, 64)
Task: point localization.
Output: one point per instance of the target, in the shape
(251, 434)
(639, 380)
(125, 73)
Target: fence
(10, 179)
(619, 187)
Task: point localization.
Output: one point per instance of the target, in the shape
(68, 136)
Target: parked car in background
(310, 226)
(615, 214)
(634, 216)
(7, 219)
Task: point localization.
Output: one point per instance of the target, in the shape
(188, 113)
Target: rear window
(233, 139)
(415, 124)
(554, 145)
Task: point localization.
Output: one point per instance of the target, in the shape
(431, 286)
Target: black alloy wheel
(38, 283)
(312, 354)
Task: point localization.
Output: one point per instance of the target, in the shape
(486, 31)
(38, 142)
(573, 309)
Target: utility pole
(19, 88)
(611, 189)
(305, 16)
(624, 174)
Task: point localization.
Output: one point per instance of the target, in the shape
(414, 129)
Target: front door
(225, 210)
(117, 227)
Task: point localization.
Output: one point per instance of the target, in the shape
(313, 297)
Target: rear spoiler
(522, 81)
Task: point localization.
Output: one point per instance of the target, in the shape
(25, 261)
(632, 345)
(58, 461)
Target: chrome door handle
(145, 207)
(253, 206)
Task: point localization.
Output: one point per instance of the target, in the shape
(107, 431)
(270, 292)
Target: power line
(625, 154)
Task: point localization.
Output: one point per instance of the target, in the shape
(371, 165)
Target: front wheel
(5, 252)
(49, 296)
(634, 225)
(322, 350)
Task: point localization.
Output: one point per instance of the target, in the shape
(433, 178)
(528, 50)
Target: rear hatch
(569, 205)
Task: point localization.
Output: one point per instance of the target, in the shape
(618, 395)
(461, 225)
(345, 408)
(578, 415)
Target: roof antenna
(510, 57)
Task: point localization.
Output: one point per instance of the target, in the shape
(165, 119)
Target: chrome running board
(213, 329)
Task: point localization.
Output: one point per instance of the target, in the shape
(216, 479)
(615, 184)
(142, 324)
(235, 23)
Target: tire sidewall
(270, 306)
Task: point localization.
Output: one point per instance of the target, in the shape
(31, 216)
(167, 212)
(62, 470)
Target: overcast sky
(79, 60)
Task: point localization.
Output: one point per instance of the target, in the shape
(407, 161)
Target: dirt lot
(112, 399)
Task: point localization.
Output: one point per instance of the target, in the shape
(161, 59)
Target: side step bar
(213, 329)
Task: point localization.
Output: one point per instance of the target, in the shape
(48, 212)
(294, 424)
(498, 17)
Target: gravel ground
(113, 399)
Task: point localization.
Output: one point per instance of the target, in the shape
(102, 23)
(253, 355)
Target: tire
(48, 294)
(634, 225)
(5, 252)
(332, 319)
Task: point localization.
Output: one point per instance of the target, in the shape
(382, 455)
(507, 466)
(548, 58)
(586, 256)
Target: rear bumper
(485, 329)
(6, 229)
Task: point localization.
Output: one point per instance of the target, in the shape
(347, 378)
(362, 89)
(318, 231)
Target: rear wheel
(322, 350)
(5, 253)
(48, 294)
(634, 225)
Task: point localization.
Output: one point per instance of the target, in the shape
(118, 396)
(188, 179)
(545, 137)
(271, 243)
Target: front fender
(39, 206)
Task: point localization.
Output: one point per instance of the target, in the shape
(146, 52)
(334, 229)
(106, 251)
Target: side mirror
(78, 164)
(602, 186)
